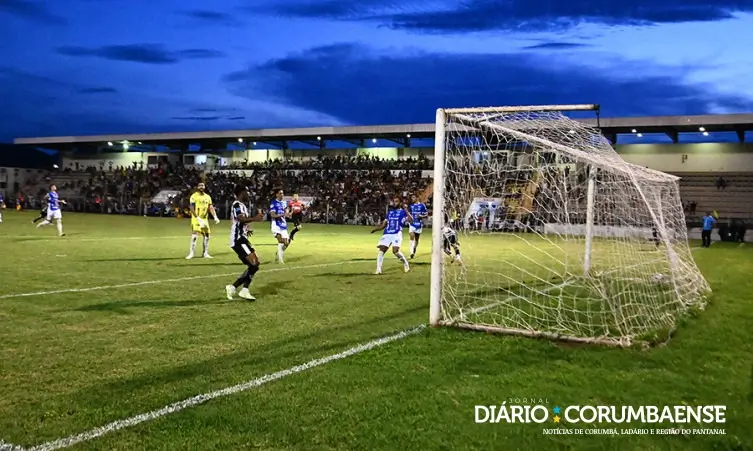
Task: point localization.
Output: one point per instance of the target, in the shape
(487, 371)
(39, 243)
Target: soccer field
(111, 322)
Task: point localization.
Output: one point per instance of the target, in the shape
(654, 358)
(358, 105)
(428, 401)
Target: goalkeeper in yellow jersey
(201, 207)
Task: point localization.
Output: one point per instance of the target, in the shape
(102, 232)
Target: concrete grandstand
(402, 148)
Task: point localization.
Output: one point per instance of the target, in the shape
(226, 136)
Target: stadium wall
(690, 157)
(261, 155)
(117, 159)
(696, 157)
(9, 177)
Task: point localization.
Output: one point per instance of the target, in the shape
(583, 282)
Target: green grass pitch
(76, 360)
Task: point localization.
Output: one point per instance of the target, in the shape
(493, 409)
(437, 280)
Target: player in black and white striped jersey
(450, 242)
(239, 232)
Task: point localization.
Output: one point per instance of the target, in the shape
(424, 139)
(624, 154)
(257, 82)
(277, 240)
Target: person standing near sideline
(707, 222)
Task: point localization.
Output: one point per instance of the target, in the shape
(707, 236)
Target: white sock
(380, 260)
(402, 258)
(60, 227)
(43, 223)
(206, 244)
(193, 244)
(1, 217)
(280, 251)
(412, 246)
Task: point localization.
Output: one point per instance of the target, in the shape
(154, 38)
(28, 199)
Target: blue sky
(72, 67)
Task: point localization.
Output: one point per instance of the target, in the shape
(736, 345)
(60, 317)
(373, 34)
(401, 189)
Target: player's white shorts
(416, 230)
(392, 239)
(276, 230)
(54, 214)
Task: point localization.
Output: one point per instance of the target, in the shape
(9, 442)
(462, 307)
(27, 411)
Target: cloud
(207, 118)
(33, 105)
(462, 16)
(98, 90)
(31, 11)
(197, 118)
(360, 86)
(556, 46)
(199, 54)
(139, 53)
(210, 17)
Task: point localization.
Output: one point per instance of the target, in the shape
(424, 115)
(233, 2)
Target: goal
(560, 237)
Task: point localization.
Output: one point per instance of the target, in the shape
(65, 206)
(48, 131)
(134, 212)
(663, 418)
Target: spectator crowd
(345, 190)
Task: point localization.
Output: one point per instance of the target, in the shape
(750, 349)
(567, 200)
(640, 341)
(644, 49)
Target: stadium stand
(346, 190)
(730, 194)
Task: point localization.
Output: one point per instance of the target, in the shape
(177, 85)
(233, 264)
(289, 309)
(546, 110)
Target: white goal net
(559, 236)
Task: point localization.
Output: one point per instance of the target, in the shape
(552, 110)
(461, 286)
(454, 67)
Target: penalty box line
(203, 398)
(152, 282)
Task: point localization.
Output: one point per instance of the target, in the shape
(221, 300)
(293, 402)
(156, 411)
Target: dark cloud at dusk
(74, 67)
(331, 79)
(140, 53)
(481, 15)
(32, 11)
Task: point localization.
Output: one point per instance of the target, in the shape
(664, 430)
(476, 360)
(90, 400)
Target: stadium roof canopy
(672, 126)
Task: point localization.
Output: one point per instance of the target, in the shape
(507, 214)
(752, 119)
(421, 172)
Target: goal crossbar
(514, 109)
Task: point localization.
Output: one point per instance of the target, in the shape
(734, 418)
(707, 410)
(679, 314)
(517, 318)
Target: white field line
(119, 238)
(114, 238)
(152, 282)
(4, 446)
(201, 399)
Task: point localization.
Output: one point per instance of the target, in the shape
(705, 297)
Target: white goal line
(152, 282)
(203, 398)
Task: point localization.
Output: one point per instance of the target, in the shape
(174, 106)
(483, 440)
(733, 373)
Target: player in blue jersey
(278, 212)
(393, 233)
(419, 212)
(53, 210)
(2, 207)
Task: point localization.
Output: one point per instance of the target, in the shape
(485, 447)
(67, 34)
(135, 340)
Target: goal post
(438, 208)
(560, 237)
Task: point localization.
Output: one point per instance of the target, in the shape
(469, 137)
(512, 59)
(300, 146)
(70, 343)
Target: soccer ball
(658, 278)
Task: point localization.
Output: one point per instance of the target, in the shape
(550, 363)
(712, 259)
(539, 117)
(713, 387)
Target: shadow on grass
(145, 259)
(270, 289)
(123, 306)
(343, 275)
(388, 257)
(36, 238)
(258, 359)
